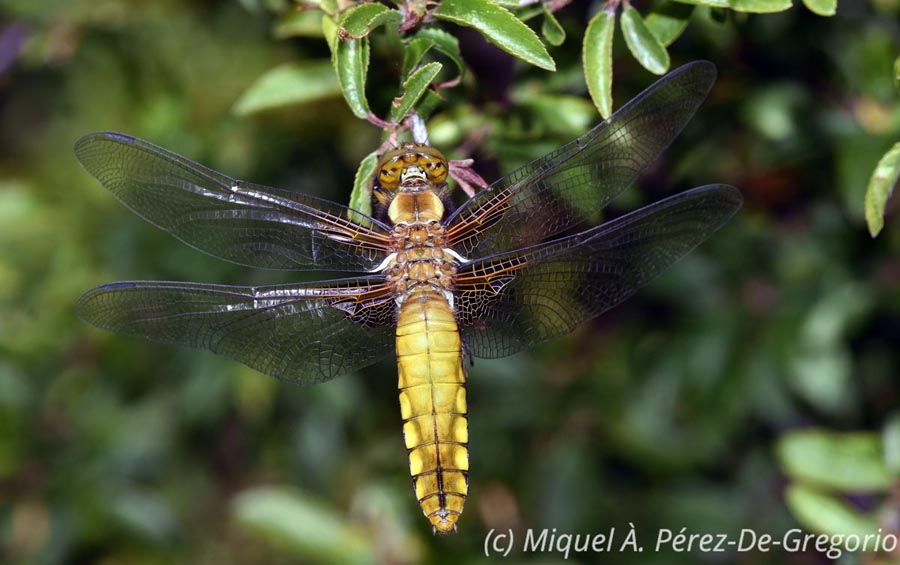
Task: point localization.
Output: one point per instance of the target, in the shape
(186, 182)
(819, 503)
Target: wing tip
(83, 307)
(93, 137)
(730, 193)
(701, 70)
(116, 136)
(702, 65)
(83, 304)
(730, 196)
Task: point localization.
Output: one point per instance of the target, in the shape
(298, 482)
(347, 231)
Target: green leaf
(350, 58)
(648, 51)
(760, 6)
(881, 184)
(330, 7)
(825, 514)
(428, 104)
(562, 115)
(499, 27)
(330, 30)
(821, 7)
(668, 21)
(751, 6)
(290, 83)
(890, 437)
(597, 60)
(361, 20)
(306, 527)
(525, 13)
(711, 3)
(551, 30)
(299, 23)
(427, 39)
(897, 73)
(413, 89)
(361, 197)
(847, 462)
(413, 53)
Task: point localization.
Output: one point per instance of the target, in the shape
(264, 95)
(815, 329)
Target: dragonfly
(523, 261)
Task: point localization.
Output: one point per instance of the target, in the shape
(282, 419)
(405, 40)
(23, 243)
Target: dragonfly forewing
(241, 222)
(569, 187)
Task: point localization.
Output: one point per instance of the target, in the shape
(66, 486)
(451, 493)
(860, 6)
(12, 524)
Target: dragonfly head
(410, 167)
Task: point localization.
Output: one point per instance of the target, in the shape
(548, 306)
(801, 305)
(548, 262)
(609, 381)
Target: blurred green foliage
(681, 408)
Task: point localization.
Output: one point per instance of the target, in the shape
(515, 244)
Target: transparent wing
(245, 223)
(513, 301)
(569, 186)
(305, 333)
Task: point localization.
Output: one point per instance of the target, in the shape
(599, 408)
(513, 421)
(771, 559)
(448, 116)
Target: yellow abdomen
(433, 406)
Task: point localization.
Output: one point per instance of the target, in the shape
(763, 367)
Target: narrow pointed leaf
(426, 40)
(668, 21)
(645, 47)
(413, 89)
(552, 31)
(597, 60)
(750, 6)
(880, 187)
(352, 64)
(350, 58)
(359, 21)
(760, 6)
(361, 197)
(711, 3)
(413, 53)
(290, 83)
(821, 7)
(500, 27)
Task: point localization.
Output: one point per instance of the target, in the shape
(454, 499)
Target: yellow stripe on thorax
(433, 406)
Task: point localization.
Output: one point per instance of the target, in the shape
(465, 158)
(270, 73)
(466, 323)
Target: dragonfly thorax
(421, 259)
(416, 208)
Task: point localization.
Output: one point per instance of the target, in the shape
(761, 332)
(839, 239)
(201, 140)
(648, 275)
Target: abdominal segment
(433, 406)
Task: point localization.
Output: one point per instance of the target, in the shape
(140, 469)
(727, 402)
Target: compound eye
(388, 176)
(437, 171)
